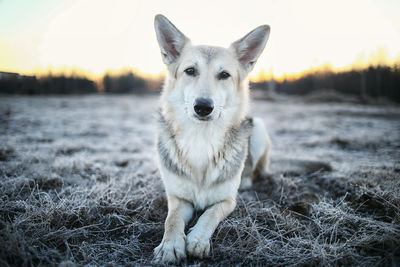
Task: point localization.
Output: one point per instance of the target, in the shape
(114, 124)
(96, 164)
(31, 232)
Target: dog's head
(207, 83)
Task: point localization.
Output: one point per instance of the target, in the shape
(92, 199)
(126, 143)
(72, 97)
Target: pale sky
(96, 35)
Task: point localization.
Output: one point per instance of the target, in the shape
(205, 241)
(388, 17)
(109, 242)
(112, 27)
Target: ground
(80, 185)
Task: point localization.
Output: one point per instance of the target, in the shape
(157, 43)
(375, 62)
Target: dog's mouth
(203, 118)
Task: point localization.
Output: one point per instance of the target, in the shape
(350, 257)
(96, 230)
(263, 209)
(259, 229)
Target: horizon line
(262, 75)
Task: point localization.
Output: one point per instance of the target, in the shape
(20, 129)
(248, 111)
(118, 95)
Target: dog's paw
(197, 246)
(170, 250)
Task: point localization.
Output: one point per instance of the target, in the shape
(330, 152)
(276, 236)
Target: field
(80, 185)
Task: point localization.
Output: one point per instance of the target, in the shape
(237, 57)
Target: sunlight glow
(98, 35)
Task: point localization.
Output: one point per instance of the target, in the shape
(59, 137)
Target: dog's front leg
(172, 247)
(198, 240)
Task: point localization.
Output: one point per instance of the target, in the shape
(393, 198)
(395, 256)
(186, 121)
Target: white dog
(206, 145)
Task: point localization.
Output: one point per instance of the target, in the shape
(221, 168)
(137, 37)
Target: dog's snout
(203, 106)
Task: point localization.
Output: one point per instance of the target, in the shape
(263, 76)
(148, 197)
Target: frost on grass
(79, 185)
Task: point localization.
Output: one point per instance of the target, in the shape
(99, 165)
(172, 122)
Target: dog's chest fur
(203, 157)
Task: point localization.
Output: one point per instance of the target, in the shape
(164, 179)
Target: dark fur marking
(164, 153)
(167, 161)
(237, 141)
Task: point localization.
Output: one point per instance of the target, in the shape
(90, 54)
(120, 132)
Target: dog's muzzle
(203, 107)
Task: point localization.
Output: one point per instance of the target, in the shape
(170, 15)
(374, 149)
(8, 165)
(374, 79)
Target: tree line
(371, 82)
(128, 82)
(125, 83)
(13, 83)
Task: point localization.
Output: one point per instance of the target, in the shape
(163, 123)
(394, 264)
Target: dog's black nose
(203, 106)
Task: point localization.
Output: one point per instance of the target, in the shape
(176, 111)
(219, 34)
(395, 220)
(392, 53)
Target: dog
(207, 147)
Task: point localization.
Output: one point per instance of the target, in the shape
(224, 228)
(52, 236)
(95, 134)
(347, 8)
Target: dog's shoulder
(231, 156)
(247, 125)
(239, 133)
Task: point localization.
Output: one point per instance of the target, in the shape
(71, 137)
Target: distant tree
(125, 83)
(66, 85)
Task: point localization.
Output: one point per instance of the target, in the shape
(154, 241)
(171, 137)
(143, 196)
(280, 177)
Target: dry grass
(79, 185)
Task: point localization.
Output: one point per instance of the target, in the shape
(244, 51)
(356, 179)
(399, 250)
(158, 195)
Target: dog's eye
(223, 75)
(190, 71)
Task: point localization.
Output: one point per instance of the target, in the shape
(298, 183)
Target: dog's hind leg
(258, 154)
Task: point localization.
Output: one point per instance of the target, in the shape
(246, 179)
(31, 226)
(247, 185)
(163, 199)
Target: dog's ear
(249, 48)
(170, 39)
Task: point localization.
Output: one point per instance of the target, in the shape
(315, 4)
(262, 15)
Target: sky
(97, 35)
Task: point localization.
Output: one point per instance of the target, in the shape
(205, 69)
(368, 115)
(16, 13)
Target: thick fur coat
(204, 138)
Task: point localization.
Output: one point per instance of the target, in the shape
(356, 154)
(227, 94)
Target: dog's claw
(197, 247)
(170, 251)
